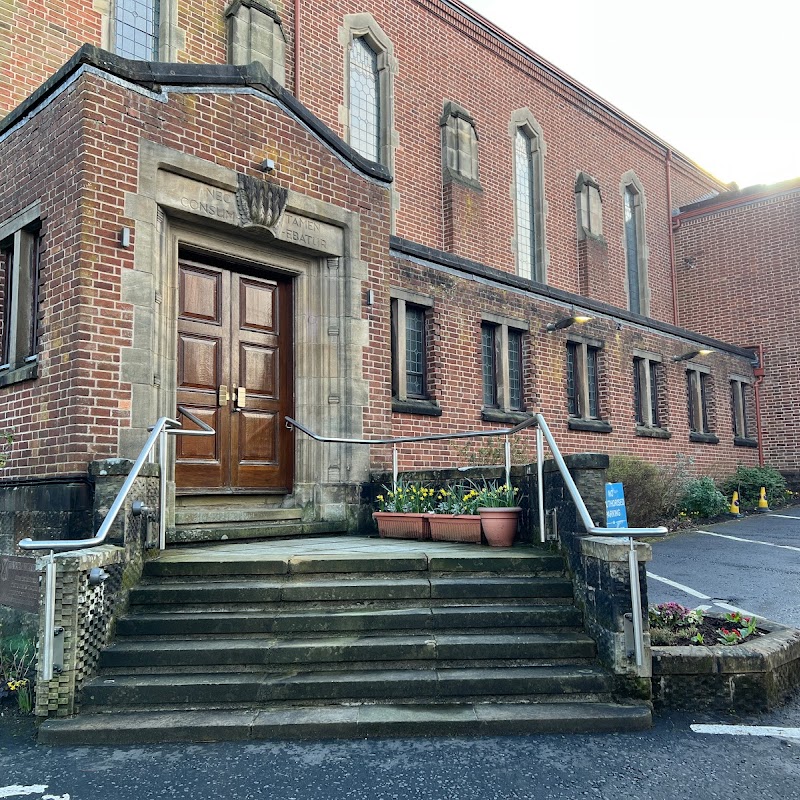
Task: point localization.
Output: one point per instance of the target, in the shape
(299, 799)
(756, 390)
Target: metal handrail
(163, 427)
(433, 437)
(591, 528)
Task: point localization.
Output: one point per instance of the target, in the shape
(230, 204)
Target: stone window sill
(652, 433)
(498, 415)
(425, 408)
(592, 425)
(703, 438)
(26, 372)
(738, 441)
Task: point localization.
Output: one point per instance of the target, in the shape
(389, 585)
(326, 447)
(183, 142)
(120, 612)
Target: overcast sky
(719, 81)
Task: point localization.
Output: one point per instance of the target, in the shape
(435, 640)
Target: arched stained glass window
(365, 121)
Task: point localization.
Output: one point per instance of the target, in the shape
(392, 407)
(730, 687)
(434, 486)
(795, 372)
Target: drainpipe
(297, 49)
(759, 373)
(671, 240)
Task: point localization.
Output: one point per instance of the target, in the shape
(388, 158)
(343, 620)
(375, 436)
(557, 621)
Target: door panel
(235, 331)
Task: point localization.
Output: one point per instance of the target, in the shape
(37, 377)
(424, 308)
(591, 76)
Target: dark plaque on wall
(19, 583)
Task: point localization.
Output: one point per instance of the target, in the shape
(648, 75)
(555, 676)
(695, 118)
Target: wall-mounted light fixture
(565, 322)
(267, 165)
(692, 354)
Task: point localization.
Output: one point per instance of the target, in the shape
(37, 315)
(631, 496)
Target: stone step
(344, 722)
(184, 563)
(321, 591)
(209, 622)
(206, 690)
(260, 651)
(239, 532)
(204, 515)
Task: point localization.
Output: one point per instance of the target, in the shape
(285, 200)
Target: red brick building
(364, 218)
(738, 257)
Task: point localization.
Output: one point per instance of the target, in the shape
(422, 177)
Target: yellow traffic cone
(763, 505)
(735, 504)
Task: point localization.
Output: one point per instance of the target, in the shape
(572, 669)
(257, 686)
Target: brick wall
(737, 278)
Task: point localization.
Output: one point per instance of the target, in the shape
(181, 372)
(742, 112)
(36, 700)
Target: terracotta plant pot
(500, 525)
(396, 525)
(455, 527)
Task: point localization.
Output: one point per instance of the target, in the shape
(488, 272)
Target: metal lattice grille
(632, 248)
(514, 370)
(489, 365)
(136, 29)
(364, 100)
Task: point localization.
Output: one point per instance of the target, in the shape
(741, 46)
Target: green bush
(650, 491)
(701, 498)
(748, 482)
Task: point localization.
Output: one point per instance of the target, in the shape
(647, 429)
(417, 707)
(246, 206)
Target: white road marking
(748, 730)
(676, 585)
(18, 791)
(688, 590)
(750, 541)
(784, 516)
(742, 611)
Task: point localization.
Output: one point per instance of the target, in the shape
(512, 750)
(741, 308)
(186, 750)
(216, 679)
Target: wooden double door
(234, 373)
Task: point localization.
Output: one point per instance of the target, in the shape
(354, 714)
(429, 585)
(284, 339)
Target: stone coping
(779, 647)
(756, 675)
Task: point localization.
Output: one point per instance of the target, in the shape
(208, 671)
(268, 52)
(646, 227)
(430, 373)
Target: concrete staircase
(424, 639)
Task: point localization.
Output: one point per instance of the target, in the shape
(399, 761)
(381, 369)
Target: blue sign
(616, 515)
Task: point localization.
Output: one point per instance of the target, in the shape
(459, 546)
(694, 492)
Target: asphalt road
(751, 563)
(669, 762)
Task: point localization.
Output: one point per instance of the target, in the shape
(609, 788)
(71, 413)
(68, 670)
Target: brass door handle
(222, 395)
(241, 397)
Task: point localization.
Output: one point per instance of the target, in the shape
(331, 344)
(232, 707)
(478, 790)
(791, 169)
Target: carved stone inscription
(310, 233)
(19, 583)
(198, 198)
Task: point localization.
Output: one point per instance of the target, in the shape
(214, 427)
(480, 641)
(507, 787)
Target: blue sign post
(616, 515)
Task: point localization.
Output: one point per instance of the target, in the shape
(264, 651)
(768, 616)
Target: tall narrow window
(415, 351)
(489, 356)
(527, 189)
(502, 359)
(635, 244)
(365, 101)
(410, 317)
(632, 251)
(697, 388)
(19, 280)
(646, 383)
(136, 29)
(526, 229)
(740, 412)
(583, 383)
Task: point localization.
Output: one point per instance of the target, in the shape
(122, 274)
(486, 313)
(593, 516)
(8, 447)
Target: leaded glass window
(415, 351)
(515, 370)
(632, 253)
(591, 383)
(489, 351)
(525, 220)
(572, 382)
(655, 417)
(365, 122)
(136, 25)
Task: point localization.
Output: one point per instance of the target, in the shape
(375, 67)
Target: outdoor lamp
(565, 322)
(692, 354)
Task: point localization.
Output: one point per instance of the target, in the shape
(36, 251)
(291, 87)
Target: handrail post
(162, 489)
(636, 604)
(540, 479)
(49, 617)
(394, 468)
(507, 450)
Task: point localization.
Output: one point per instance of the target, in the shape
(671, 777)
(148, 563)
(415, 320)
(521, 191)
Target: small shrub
(701, 498)
(17, 669)
(748, 482)
(650, 491)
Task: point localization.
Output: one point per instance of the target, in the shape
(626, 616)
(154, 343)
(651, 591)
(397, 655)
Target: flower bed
(758, 674)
